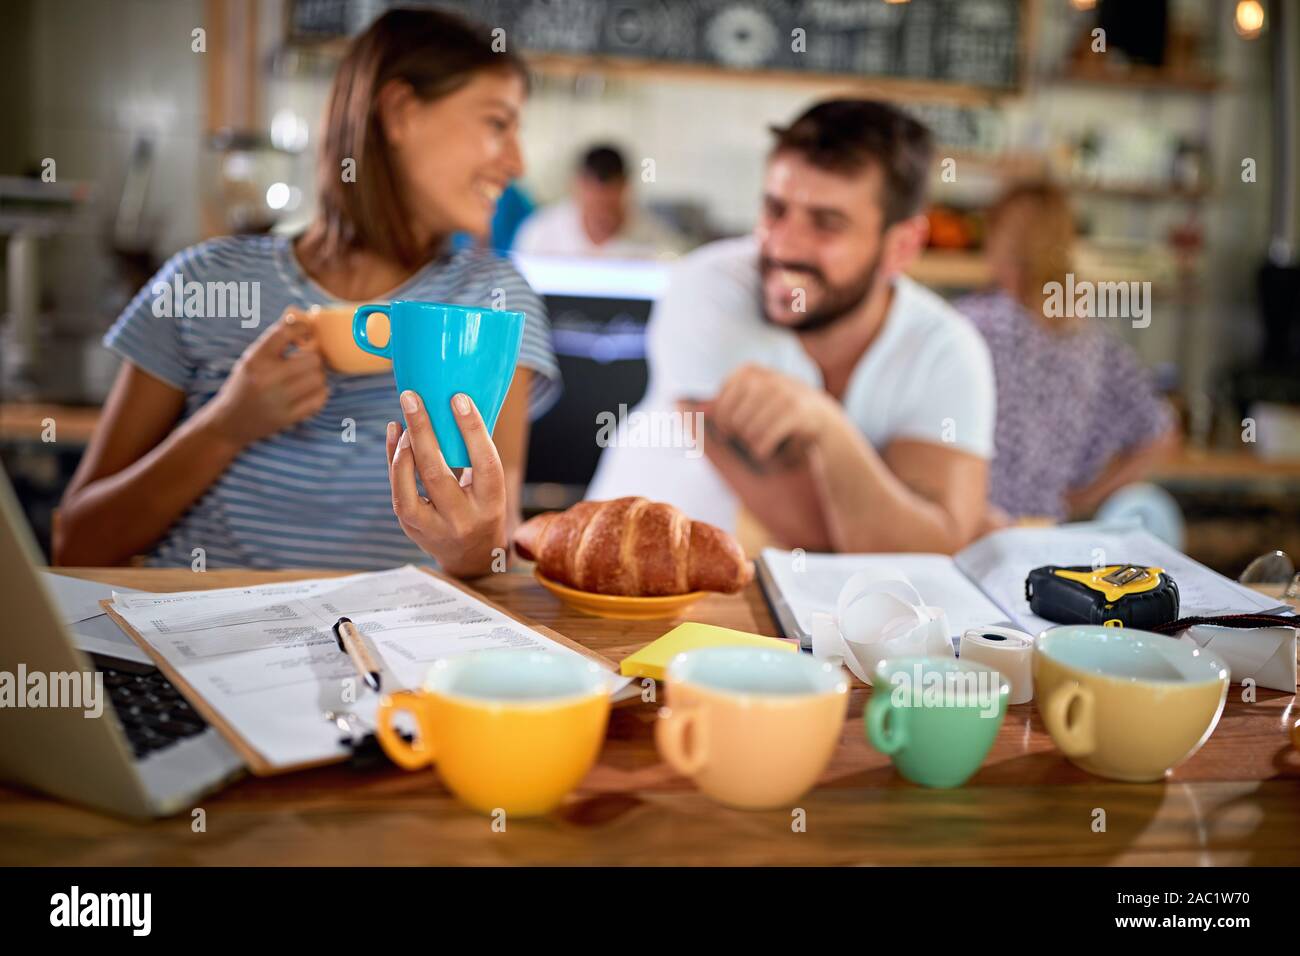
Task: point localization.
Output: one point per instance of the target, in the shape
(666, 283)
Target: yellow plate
(620, 608)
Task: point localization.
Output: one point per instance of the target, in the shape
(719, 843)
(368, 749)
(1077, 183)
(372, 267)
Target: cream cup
(1126, 704)
(753, 728)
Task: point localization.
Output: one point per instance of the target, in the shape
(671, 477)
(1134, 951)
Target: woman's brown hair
(1034, 229)
(435, 53)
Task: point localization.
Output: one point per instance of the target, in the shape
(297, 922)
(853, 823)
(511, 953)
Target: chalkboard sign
(970, 42)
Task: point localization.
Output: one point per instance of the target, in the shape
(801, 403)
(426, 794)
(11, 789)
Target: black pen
(351, 642)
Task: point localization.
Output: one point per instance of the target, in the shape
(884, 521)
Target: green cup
(936, 717)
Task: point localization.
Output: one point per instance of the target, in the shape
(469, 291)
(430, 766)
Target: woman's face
(455, 154)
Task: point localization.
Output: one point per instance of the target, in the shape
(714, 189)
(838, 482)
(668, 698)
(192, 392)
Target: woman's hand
(271, 387)
(463, 521)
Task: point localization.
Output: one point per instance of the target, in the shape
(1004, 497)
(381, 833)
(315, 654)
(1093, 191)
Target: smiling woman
(432, 115)
(229, 441)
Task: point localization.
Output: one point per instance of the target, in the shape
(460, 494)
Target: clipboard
(253, 759)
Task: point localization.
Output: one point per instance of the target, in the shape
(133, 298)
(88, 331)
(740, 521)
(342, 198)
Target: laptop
(137, 750)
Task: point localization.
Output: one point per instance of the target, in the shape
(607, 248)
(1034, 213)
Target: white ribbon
(879, 615)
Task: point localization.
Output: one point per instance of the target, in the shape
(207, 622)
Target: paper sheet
(816, 587)
(78, 599)
(266, 660)
(1000, 562)
(1266, 654)
(92, 630)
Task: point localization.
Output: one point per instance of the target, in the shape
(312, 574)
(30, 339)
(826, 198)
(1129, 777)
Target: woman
(1078, 416)
(226, 445)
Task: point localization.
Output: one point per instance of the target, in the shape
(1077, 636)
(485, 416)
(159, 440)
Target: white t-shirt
(927, 376)
(556, 230)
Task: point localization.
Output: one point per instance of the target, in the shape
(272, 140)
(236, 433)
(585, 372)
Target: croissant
(632, 547)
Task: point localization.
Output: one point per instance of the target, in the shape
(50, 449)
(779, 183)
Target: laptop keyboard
(153, 712)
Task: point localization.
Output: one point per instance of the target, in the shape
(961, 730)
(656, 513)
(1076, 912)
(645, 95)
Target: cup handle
(409, 756)
(359, 319)
(1075, 739)
(675, 725)
(886, 726)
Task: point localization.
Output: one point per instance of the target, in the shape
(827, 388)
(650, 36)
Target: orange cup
(333, 325)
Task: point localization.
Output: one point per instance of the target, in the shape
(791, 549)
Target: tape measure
(1118, 595)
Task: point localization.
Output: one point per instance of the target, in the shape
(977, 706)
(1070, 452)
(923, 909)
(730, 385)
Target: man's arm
(781, 494)
(915, 496)
(845, 497)
(925, 489)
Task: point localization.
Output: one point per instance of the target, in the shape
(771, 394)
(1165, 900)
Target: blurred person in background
(845, 406)
(1078, 416)
(601, 218)
(230, 440)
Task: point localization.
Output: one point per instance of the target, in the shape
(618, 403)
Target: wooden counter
(1236, 802)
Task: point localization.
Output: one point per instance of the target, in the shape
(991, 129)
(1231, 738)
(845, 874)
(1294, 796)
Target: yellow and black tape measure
(1117, 595)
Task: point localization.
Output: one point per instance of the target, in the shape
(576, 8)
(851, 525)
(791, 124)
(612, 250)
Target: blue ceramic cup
(438, 350)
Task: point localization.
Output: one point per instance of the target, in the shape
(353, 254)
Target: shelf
(1022, 165)
(951, 269)
(968, 269)
(1011, 163)
(889, 87)
(1139, 191)
(568, 65)
(1219, 466)
(1140, 78)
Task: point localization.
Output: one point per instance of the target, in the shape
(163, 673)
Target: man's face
(602, 206)
(820, 237)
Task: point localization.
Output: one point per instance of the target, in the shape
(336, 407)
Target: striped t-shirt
(317, 493)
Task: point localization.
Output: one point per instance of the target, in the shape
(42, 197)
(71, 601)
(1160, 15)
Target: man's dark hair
(603, 163)
(845, 136)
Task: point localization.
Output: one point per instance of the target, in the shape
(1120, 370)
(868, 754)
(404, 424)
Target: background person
(600, 219)
(1078, 415)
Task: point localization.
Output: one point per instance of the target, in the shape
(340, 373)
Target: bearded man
(845, 407)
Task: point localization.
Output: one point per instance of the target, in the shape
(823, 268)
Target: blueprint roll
(1006, 650)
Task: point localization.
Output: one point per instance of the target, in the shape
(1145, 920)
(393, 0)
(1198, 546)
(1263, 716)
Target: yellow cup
(333, 324)
(1126, 704)
(753, 728)
(509, 730)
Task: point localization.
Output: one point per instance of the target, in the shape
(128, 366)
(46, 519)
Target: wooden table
(1236, 802)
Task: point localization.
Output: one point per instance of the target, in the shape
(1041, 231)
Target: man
(846, 408)
(600, 220)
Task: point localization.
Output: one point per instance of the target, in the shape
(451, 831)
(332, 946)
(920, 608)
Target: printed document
(266, 660)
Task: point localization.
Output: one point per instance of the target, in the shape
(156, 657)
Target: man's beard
(837, 302)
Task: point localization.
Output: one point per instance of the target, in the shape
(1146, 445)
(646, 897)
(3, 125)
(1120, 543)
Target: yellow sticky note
(652, 660)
